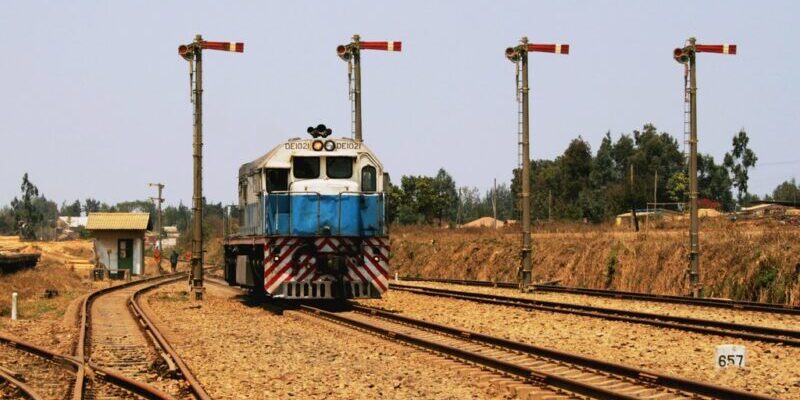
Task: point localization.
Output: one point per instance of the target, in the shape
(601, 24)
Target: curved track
(707, 302)
(118, 340)
(34, 372)
(749, 332)
(120, 354)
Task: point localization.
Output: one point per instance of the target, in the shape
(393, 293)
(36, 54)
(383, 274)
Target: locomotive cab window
(339, 167)
(277, 179)
(305, 167)
(368, 179)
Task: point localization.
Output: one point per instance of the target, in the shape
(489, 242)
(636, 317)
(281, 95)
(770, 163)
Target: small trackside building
(119, 240)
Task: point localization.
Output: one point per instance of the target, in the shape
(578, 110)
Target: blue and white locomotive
(312, 221)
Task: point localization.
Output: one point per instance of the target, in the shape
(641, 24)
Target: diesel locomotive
(312, 221)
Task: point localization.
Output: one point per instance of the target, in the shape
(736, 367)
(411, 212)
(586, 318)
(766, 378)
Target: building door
(125, 254)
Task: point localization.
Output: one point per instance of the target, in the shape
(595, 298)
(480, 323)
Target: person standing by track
(173, 260)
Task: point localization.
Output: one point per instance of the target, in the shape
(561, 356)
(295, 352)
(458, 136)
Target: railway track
(748, 332)
(120, 354)
(32, 372)
(552, 374)
(706, 302)
(537, 370)
(119, 341)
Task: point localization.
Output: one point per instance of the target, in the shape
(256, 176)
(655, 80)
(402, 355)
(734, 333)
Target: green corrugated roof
(118, 221)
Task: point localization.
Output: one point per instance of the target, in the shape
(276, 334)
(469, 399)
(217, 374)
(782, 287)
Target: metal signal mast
(686, 56)
(193, 53)
(351, 53)
(519, 56)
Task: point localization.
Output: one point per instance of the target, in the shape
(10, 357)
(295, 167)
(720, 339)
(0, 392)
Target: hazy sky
(94, 99)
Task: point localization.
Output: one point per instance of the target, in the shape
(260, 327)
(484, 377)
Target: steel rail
(741, 331)
(26, 390)
(522, 372)
(113, 377)
(638, 374)
(774, 308)
(66, 361)
(160, 341)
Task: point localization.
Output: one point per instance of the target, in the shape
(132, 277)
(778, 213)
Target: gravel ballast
(238, 351)
(782, 321)
(771, 368)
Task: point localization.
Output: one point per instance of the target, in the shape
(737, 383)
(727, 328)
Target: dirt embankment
(739, 262)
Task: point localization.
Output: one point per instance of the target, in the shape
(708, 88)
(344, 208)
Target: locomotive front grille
(323, 290)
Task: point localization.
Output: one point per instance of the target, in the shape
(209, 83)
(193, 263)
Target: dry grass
(740, 261)
(31, 284)
(50, 273)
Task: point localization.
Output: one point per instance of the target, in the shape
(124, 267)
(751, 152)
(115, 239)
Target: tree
(446, 197)
(714, 182)
(27, 217)
(70, 210)
(787, 191)
(7, 225)
(678, 186)
(91, 205)
(738, 161)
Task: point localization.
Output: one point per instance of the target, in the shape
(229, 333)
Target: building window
(339, 167)
(368, 179)
(305, 167)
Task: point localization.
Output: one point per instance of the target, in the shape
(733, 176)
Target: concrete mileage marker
(730, 355)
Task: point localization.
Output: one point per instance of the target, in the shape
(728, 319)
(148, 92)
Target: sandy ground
(718, 314)
(771, 369)
(246, 352)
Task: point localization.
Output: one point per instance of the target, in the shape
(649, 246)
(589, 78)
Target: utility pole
(519, 56)
(686, 56)
(193, 53)
(160, 228)
(494, 204)
(351, 53)
(634, 220)
(550, 204)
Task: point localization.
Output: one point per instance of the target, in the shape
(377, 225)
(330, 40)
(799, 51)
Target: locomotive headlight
(317, 145)
(330, 145)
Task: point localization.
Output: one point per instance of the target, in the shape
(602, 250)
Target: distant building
(72, 222)
(765, 210)
(67, 228)
(641, 215)
(119, 239)
(170, 239)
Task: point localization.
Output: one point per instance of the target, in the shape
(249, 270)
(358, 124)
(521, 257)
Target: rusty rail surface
(704, 326)
(160, 342)
(26, 390)
(110, 376)
(657, 298)
(66, 361)
(640, 377)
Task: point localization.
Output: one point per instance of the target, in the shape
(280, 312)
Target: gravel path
(237, 352)
(680, 310)
(771, 369)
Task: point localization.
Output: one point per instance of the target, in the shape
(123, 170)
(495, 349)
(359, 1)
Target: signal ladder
(519, 121)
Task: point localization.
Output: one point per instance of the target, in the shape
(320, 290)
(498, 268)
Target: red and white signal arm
(385, 46)
(716, 48)
(237, 47)
(557, 48)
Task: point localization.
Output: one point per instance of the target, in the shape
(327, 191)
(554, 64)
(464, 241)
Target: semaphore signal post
(519, 56)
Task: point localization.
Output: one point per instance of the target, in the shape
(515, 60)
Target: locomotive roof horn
(320, 131)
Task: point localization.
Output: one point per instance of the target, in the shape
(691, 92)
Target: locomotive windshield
(339, 167)
(305, 167)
